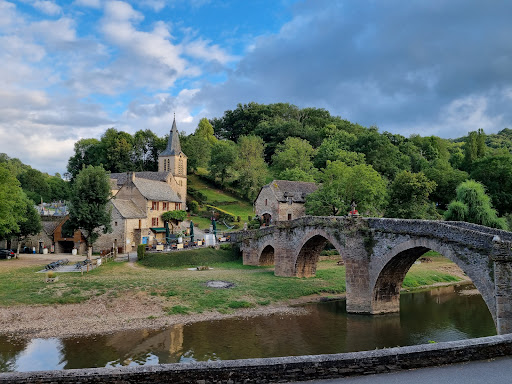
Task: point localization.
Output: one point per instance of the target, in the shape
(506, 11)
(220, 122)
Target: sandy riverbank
(128, 311)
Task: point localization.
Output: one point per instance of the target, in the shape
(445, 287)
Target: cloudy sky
(71, 69)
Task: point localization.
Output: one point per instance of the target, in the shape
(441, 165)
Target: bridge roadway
(495, 371)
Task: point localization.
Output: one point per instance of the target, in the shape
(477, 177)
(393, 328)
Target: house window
(155, 206)
(177, 206)
(154, 221)
(266, 202)
(289, 216)
(290, 200)
(115, 223)
(164, 206)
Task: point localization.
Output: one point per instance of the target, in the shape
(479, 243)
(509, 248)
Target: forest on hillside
(385, 174)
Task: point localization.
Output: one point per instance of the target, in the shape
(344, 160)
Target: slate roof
(49, 226)
(173, 144)
(128, 209)
(297, 190)
(156, 190)
(122, 177)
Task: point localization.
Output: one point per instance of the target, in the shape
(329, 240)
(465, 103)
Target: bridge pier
(502, 279)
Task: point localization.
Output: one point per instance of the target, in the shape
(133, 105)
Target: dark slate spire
(173, 145)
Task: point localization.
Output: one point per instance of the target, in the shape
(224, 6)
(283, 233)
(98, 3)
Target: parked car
(6, 253)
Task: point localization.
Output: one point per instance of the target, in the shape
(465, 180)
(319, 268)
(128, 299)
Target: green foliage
(341, 184)
(117, 149)
(296, 174)
(89, 209)
(495, 172)
(473, 205)
(409, 197)
(447, 179)
(204, 130)
(146, 148)
(141, 251)
(222, 160)
(198, 151)
(293, 153)
(251, 166)
(474, 148)
(221, 214)
(12, 203)
(193, 206)
(176, 216)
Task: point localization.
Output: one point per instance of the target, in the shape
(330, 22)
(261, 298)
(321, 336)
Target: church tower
(173, 160)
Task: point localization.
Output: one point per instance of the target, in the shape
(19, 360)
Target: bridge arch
(387, 277)
(308, 251)
(266, 256)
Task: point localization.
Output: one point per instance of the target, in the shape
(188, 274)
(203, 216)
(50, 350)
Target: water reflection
(440, 314)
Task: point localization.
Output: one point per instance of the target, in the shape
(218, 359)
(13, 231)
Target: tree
(87, 152)
(293, 153)
(12, 203)
(495, 172)
(205, 131)
(296, 174)
(251, 165)
(89, 211)
(146, 148)
(341, 185)
(173, 217)
(31, 223)
(473, 205)
(409, 194)
(447, 179)
(222, 160)
(35, 185)
(117, 148)
(474, 148)
(198, 151)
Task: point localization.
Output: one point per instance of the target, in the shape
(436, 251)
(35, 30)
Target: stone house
(282, 200)
(140, 198)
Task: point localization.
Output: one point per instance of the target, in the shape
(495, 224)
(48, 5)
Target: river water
(440, 314)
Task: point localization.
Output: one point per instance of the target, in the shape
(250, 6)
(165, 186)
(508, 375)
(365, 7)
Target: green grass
(189, 258)
(164, 277)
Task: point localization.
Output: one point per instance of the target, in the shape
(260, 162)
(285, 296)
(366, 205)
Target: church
(140, 199)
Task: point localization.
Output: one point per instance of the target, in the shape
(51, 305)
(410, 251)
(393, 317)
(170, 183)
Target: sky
(72, 69)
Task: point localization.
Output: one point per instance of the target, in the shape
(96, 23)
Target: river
(440, 314)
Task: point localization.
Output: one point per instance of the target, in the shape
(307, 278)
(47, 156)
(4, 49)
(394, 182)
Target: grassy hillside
(218, 198)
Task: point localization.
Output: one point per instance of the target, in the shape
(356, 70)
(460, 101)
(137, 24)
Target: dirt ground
(101, 315)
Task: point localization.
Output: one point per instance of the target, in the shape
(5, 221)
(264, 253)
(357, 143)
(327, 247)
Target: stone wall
(282, 369)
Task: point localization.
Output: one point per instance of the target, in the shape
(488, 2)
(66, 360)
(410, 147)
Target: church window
(165, 165)
(180, 167)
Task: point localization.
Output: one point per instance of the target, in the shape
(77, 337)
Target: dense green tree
(31, 223)
(495, 172)
(409, 197)
(473, 205)
(293, 153)
(35, 185)
(251, 165)
(146, 148)
(296, 174)
(341, 185)
(12, 203)
(173, 217)
(384, 157)
(205, 131)
(222, 160)
(337, 147)
(474, 148)
(117, 149)
(89, 210)
(87, 152)
(198, 151)
(447, 179)
(59, 188)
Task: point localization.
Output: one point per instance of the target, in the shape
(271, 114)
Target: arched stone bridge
(378, 252)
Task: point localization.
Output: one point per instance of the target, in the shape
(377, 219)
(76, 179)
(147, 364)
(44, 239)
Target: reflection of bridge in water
(379, 252)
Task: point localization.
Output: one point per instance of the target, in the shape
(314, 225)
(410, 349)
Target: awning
(158, 229)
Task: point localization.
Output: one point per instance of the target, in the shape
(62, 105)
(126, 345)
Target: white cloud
(88, 3)
(47, 7)
(203, 49)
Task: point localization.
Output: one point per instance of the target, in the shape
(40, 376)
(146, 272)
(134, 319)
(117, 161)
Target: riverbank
(124, 296)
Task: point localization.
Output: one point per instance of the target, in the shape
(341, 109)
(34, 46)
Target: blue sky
(71, 69)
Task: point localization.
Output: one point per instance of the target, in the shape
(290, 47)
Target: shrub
(193, 206)
(238, 218)
(141, 251)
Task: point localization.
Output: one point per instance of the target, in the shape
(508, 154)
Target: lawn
(185, 291)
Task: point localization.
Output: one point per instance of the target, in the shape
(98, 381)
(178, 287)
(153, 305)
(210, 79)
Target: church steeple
(173, 144)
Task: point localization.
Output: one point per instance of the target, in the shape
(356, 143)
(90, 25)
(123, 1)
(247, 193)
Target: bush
(254, 224)
(238, 218)
(141, 251)
(193, 206)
